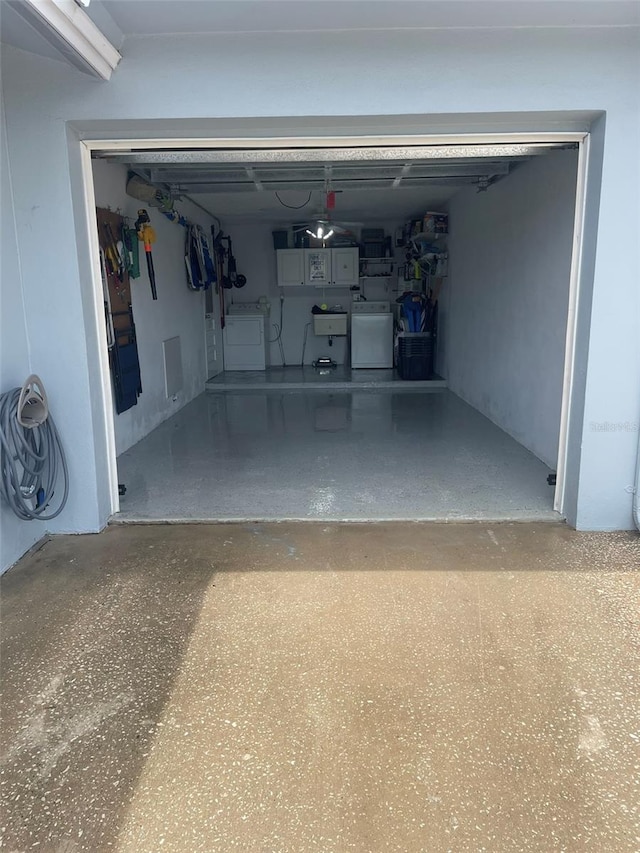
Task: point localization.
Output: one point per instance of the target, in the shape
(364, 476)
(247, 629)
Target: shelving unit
(430, 235)
(390, 262)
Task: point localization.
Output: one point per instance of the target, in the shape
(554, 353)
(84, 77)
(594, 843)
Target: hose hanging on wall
(31, 456)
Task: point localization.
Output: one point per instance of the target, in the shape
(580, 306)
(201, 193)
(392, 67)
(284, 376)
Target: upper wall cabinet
(290, 267)
(345, 267)
(318, 267)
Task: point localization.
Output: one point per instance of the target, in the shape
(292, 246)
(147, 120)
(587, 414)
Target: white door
(345, 267)
(244, 343)
(317, 267)
(290, 267)
(372, 340)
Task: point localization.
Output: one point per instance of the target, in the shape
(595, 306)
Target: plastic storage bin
(280, 239)
(373, 243)
(415, 355)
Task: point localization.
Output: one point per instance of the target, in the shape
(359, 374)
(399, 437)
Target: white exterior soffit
(68, 27)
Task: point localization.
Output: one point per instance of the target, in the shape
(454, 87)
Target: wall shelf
(428, 235)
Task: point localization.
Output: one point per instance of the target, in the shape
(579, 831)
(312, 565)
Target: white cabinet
(318, 267)
(291, 264)
(345, 267)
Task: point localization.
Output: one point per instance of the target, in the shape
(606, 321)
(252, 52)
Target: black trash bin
(416, 351)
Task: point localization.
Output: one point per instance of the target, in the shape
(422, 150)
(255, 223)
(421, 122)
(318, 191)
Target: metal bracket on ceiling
(403, 174)
(256, 181)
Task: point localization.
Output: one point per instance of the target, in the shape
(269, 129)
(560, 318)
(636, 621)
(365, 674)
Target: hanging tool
(113, 261)
(218, 257)
(130, 240)
(200, 268)
(225, 254)
(231, 263)
(115, 251)
(147, 236)
(111, 339)
(111, 252)
(214, 252)
(233, 278)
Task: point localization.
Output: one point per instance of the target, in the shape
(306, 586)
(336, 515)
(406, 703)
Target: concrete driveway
(323, 687)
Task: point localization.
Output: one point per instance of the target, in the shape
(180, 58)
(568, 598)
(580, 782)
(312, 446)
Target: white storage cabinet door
(317, 267)
(290, 267)
(345, 267)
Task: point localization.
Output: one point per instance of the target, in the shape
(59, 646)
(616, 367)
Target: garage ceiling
(394, 178)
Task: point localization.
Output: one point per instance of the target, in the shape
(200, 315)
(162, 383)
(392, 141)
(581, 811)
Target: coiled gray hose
(31, 462)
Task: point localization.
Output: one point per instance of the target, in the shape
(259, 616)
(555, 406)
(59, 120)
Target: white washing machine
(371, 334)
(245, 338)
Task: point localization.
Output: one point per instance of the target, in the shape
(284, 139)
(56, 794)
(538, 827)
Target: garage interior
(254, 407)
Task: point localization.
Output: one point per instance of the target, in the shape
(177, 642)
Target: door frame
(581, 137)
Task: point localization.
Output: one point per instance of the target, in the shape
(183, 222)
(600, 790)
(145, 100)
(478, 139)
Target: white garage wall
(256, 257)
(177, 311)
(16, 536)
(510, 260)
(488, 80)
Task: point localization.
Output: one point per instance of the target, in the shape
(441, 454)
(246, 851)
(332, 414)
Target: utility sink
(330, 324)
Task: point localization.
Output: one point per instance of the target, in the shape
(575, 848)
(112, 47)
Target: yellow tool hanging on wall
(147, 236)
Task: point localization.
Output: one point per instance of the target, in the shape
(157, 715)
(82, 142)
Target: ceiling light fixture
(319, 233)
(84, 3)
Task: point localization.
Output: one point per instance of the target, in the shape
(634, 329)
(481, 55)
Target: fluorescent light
(64, 21)
(84, 3)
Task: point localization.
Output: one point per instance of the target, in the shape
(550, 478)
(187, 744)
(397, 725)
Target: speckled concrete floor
(388, 687)
(357, 456)
(294, 377)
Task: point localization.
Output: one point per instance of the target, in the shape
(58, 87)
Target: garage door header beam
(332, 155)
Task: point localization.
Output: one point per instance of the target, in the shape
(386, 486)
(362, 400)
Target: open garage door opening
(360, 333)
